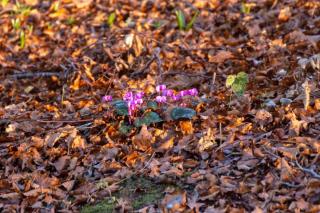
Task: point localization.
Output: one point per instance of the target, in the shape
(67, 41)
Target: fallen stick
(308, 170)
(24, 75)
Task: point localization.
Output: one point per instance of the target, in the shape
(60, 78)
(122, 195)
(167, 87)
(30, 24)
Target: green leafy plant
(147, 119)
(181, 20)
(71, 21)
(157, 24)
(16, 24)
(22, 9)
(56, 5)
(238, 83)
(121, 107)
(22, 37)
(111, 19)
(191, 22)
(245, 8)
(134, 111)
(182, 113)
(30, 29)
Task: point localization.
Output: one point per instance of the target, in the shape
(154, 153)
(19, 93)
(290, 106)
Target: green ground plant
(237, 83)
(181, 20)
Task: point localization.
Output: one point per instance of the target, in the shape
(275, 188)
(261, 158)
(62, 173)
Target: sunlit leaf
(230, 80)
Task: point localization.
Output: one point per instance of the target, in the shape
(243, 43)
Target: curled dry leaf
(186, 127)
(286, 171)
(143, 140)
(284, 14)
(220, 57)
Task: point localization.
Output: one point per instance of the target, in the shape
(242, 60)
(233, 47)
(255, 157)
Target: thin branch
(308, 170)
(24, 75)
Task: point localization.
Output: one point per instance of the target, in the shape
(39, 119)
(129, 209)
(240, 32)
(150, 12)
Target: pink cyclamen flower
(128, 96)
(193, 92)
(139, 95)
(176, 97)
(131, 107)
(107, 98)
(168, 92)
(183, 93)
(161, 99)
(138, 101)
(160, 87)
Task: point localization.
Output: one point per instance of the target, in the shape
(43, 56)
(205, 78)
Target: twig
(64, 121)
(24, 75)
(308, 170)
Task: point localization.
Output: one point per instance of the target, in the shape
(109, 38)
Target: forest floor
(247, 142)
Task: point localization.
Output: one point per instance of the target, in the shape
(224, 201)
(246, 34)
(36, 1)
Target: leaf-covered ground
(63, 150)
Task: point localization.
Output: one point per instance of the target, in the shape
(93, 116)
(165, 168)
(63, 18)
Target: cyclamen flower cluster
(164, 93)
(133, 100)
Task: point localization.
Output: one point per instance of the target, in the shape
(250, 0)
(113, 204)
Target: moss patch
(138, 191)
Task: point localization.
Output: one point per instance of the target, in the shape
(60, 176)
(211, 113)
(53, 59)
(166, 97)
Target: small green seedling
(22, 37)
(238, 83)
(111, 19)
(245, 8)
(56, 5)
(71, 21)
(30, 29)
(16, 24)
(181, 20)
(22, 9)
(157, 24)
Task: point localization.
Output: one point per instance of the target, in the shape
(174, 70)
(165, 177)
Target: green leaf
(111, 19)
(22, 39)
(242, 78)
(238, 89)
(121, 107)
(190, 24)
(152, 105)
(157, 24)
(230, 80)
(238, 83)
(182, 113)
(245, 8)
(124, 129)
(16, 23)
(148, 119)
(181, 20)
